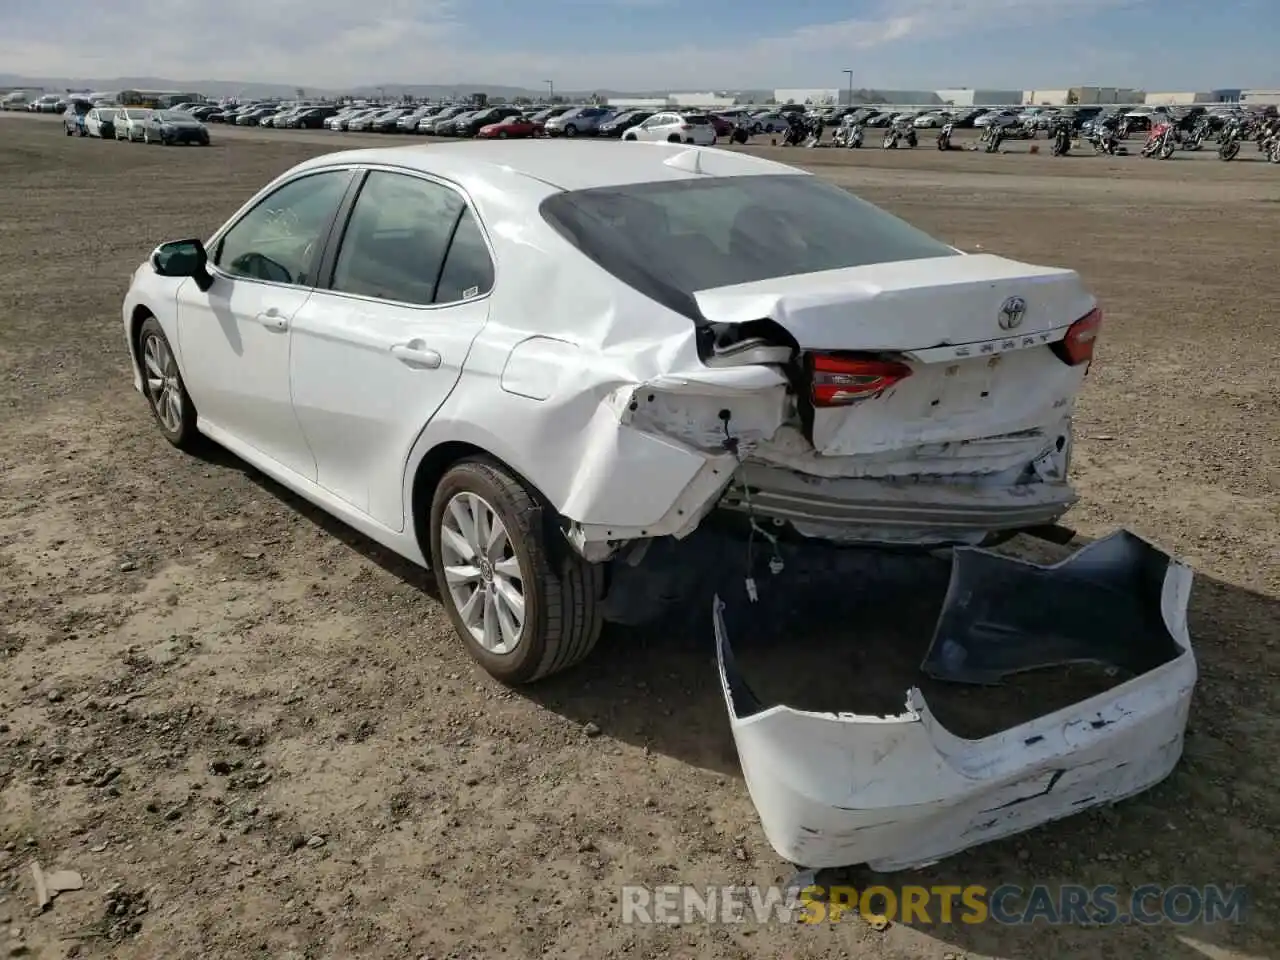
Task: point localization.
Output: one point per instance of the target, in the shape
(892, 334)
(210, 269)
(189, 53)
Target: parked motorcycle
(900, 133)
(1271, 147)
(848, 135)
(1060, 131)
(814, 128)
(944, 135)
(1229, 147)
(795, 133)
(1161, 141)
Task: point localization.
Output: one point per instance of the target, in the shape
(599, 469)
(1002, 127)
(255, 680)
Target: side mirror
(183, 258)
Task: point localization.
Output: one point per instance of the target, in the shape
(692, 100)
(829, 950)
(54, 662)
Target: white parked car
(691, 128)
(131, 123)
(519, 366)
(934, 118)
(100, 121)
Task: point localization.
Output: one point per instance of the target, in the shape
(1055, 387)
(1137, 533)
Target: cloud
(338, 43)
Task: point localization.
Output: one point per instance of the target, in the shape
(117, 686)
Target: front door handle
(272, 319)
(415, 354)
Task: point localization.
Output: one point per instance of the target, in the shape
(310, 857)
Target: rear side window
(412, 241)
(395, 241)
(468, 269)
(671, 239)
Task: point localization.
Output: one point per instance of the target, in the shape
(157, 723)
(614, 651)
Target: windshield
(673, 238)
(173, 116)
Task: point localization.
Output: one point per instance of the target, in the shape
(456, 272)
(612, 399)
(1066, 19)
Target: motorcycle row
(1103, 136)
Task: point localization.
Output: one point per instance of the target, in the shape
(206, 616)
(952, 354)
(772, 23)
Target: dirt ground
(254, 734)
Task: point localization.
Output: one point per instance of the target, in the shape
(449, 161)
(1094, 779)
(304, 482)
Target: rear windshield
(673, 238)
(697, 120)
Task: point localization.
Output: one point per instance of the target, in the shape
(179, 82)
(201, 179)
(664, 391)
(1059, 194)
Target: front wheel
(1229, 150)
(630, 138)
(162, 382)
(524, 603)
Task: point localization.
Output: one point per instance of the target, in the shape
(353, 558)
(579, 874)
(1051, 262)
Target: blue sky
(654, 44)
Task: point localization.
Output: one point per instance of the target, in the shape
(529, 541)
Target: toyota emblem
(1011, 313)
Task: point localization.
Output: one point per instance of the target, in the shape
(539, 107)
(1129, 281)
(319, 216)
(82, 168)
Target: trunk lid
(981, 369)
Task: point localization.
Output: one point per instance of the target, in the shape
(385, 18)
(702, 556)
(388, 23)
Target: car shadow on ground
(846, 630)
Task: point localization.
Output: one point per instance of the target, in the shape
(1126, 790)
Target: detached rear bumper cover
(900, 792)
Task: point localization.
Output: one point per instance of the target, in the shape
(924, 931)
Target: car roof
(566, 164)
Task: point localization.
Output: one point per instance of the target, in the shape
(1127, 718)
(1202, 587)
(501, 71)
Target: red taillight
(1077, 346)
(839, 379)
(686, 126)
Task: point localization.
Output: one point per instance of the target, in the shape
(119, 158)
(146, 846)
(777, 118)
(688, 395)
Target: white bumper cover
(902, 791)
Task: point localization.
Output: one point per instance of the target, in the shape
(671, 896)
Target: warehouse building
(1260, 98)
(965, 97)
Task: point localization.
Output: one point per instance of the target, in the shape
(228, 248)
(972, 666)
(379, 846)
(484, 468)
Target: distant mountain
(233, 88)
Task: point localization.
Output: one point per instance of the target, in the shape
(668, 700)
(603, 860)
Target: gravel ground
(253, 733)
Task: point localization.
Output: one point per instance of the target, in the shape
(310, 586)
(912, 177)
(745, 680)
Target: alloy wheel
(482, 573)
(164, 386)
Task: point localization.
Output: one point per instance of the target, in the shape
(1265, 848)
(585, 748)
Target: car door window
(279, 240)
(468, 268)
(395, 242)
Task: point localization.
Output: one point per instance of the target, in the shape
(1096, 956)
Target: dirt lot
(218, 704)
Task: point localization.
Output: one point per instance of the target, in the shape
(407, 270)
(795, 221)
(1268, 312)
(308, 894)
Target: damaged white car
(519, 362)
(528, 365)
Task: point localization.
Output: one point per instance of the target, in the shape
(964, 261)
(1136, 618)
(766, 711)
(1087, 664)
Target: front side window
(671, 239)
(279, 240)
(395, 244)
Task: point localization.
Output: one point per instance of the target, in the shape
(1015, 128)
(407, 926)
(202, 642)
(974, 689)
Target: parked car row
(489, 122)
(134, 124)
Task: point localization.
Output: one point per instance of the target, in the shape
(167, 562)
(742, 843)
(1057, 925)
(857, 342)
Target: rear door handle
(272, 319)
(415, 354)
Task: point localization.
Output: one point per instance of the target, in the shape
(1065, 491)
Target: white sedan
(131, 123)
(100, 121)
(680, 277)
(522, 368)
(691, 128)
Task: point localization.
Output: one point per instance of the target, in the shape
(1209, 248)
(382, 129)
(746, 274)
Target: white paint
(902, 792)
(597, 396)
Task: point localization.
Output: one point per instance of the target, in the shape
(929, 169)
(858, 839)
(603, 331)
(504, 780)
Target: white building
(710, 100)
(1170, 99)
(1260, 98)
(640, 103)
(965, 97)
(1046, 98)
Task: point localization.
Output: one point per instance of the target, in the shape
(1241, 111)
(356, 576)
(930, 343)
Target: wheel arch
(141, 313)
(430, 470)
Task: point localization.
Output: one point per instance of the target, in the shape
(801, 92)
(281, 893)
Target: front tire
(165, 390)
(525, 605)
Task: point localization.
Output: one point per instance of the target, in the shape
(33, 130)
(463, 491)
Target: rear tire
(560, 593)
(674, 138)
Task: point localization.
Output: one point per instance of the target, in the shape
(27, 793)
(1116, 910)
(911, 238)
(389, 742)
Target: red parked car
(511, 128)
(724, 126)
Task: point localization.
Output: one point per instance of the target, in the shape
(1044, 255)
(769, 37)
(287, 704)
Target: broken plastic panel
(895, 792)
